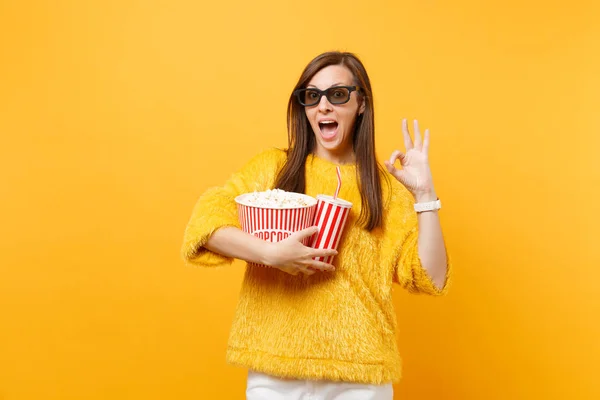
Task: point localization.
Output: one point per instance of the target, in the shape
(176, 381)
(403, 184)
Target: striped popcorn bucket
(331, 218)
(276, 223)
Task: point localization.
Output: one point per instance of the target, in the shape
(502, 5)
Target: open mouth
(328, 128)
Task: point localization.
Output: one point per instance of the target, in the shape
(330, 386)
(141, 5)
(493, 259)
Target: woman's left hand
(415, 173)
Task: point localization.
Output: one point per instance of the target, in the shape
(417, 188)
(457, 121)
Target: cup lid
(337, 201)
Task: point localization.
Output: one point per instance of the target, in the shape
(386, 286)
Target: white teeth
(327, 122)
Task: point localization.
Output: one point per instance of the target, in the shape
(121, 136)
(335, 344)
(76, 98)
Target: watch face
(429, 206)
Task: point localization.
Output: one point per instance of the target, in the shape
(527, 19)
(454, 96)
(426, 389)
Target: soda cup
(330, 217)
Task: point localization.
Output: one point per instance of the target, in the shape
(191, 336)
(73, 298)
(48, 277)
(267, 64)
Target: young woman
(308, 327)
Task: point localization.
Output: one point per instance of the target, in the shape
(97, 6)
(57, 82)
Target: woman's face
(333, 124)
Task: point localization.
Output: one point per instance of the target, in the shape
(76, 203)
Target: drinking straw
(339, 177)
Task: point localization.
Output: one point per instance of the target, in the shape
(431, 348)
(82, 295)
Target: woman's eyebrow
(335, 84)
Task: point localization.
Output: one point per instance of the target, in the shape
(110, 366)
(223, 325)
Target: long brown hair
(301, 140)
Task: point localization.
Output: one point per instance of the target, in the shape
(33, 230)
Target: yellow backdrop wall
(116, 115)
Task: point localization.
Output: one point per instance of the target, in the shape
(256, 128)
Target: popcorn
(277, 198)
(274, 215)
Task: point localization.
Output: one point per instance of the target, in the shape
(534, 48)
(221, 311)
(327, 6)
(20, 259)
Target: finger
(397, 154)
(388, 166)
(426, 142)
(418, 141)
(320, 252)
(324, 253)
(307, 271)
(408, 144)
(304, 233)
(322, 266)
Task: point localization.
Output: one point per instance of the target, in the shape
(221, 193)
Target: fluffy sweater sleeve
(402, 244)
(216, 207)
(409, 271)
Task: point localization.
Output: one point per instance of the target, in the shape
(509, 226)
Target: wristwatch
(428, 206)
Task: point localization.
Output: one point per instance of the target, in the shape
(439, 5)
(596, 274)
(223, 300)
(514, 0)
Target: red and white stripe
(270, 221)
(331, 219)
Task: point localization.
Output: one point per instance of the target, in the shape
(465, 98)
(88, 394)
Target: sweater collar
(322, 163)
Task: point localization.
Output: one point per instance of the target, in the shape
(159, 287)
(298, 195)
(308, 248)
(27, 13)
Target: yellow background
(116, 115)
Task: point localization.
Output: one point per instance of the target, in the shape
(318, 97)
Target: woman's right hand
(293, 257)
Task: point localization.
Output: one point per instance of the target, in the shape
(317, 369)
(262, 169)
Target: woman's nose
(324, 104)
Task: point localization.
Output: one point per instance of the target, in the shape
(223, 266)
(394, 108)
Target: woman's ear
(361, 109)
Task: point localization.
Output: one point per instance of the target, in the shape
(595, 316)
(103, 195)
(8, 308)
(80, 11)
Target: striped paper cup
(331, 218)
(276, 223)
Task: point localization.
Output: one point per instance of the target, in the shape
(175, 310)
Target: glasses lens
(338, 95)
(309, 97)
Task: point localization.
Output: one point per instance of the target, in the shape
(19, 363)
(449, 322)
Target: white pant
(265, 387)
